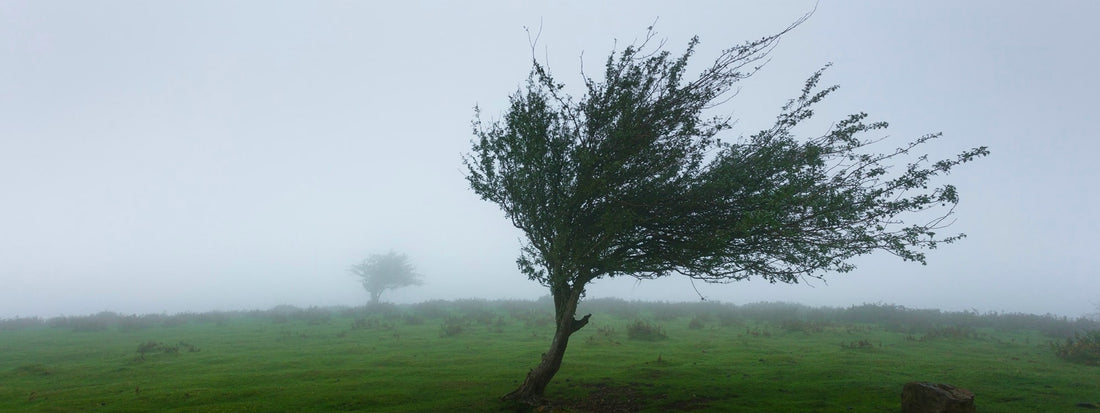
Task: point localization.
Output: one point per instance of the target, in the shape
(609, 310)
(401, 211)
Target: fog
(195, 156)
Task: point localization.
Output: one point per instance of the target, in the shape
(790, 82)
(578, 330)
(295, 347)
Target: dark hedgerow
(1082, 348)
(21, 323)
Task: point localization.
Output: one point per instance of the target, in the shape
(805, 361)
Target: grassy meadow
(463, 355)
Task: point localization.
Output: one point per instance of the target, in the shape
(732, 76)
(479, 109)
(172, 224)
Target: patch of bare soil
(629, 398)
(697, 403)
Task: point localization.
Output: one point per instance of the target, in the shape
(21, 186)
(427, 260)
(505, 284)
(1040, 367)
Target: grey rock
(925, 397)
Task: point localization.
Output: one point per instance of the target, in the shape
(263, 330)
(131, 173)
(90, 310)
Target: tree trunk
(374, 296)
(534, 385)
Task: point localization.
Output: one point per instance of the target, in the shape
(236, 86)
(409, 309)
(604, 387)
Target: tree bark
(534, 385)
(374, 297)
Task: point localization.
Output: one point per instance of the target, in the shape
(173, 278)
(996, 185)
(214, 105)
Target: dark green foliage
(1082, 348)
(641, 330)
(633, 178)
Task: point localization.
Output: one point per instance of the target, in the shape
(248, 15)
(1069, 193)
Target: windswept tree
(381, 272)
(634, 179)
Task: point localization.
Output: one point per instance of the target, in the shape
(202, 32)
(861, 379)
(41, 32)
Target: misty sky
(207, 155)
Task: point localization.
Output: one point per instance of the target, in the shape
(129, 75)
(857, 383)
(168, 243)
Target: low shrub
(1082, 348)
(641, 330)
(864, 343)
(697, 323)
(150, 347)
(452, 326)
(603, 334)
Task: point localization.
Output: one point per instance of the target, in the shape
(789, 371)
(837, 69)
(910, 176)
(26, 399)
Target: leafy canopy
(381, 272)
(633, 179)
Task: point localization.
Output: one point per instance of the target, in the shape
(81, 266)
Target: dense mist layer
(163, 158)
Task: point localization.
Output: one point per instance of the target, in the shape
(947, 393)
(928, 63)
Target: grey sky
(200, 155)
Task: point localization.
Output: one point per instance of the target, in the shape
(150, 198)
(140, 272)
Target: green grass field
(461, 356)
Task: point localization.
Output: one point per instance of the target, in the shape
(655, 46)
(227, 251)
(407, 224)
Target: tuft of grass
(32, 370)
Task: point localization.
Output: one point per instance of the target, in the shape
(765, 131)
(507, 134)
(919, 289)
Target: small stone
(925, 397)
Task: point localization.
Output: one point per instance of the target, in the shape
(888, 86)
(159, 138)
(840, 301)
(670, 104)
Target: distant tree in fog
(381, 272)
(633, 178)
